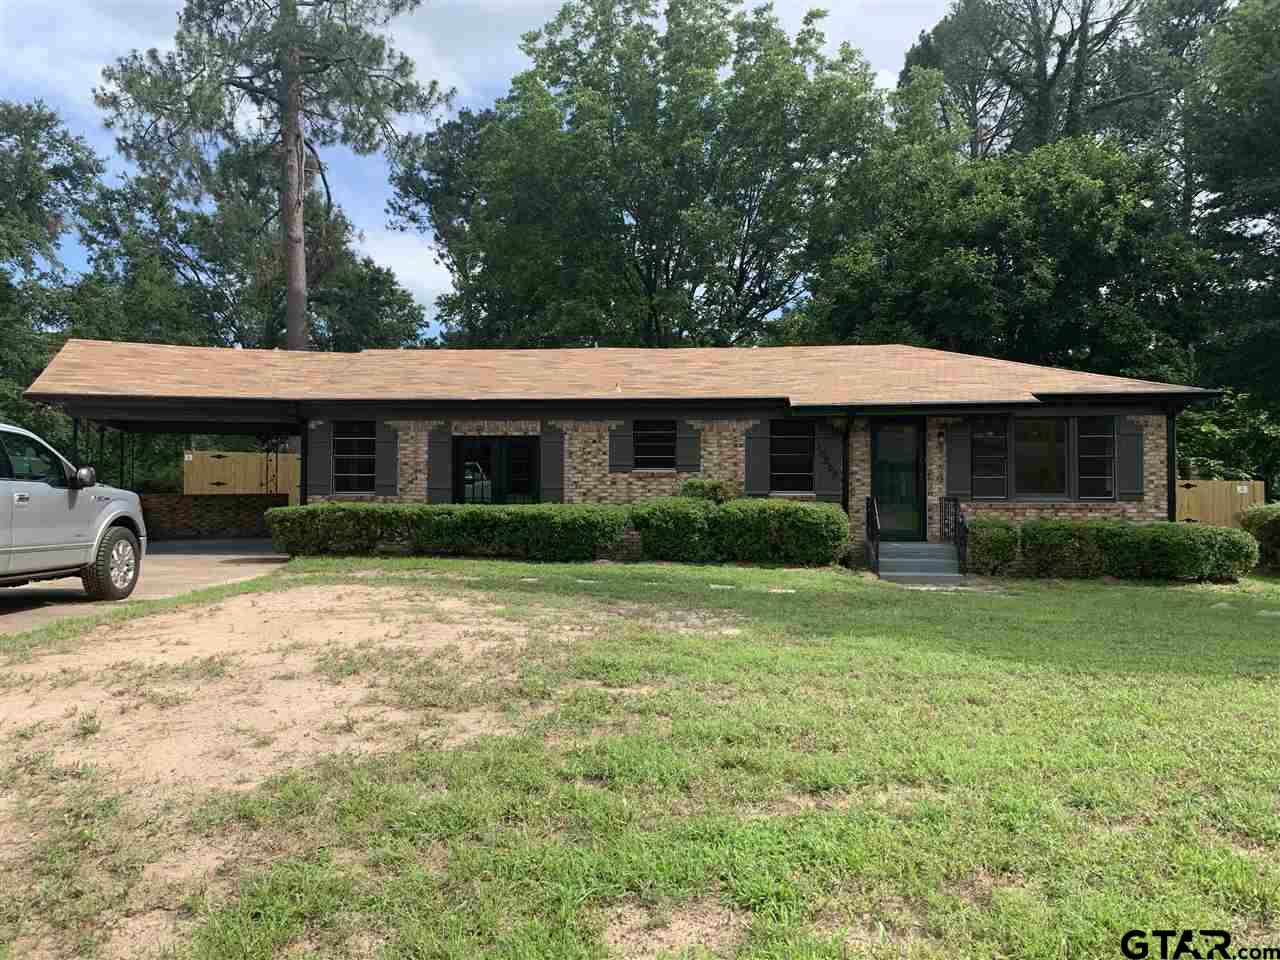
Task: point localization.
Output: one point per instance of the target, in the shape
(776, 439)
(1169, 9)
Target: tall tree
(654, 179)
(278, 79)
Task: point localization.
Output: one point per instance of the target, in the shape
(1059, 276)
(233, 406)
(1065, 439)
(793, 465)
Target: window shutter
(440, 466)
(319, 458)
(1128, 459)
(386, 469)
(756, 482)
(688, 448)
(621, 449)
(551, 466)
(959, 461)
(828, 461)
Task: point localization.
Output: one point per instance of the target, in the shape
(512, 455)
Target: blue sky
(54, 51)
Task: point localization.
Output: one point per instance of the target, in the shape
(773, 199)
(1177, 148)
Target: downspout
(1171, 461)
(302, 466)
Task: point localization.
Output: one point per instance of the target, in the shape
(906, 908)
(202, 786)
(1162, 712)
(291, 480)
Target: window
(354, 455)
(791, 456)
(1096, 457)
(991, 459)
(655, 444)
(1040, 456)
(32, 461)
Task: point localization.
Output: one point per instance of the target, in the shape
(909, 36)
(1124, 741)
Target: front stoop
(923, 563)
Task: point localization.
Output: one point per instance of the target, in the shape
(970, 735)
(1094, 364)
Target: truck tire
(114, 571)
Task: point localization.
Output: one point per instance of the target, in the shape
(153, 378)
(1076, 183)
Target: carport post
(302, 464)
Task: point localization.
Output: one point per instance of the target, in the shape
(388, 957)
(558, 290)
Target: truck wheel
(114, 571)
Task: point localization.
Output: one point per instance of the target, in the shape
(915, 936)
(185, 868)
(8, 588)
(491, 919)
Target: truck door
(6, 512)
(52, 524)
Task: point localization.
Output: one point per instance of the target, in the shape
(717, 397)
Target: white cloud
(413, 259)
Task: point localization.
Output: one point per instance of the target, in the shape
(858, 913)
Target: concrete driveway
(171, 567)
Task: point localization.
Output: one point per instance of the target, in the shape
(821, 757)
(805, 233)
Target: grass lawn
(509, 760)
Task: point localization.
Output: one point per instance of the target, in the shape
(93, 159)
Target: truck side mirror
(86, 477)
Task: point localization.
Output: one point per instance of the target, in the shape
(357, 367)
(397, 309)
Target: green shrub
(549, 531)
(716, 491)
(1263, 522)
(692, 530)
(675, 528)
(1061, 548)
(1087, 548)
(993, 546)
(758, 530)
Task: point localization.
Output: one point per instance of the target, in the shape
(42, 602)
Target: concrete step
(930, 579)
(918, 564)
(917, 550)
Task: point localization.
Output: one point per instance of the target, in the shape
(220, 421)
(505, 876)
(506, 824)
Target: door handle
(22, 498)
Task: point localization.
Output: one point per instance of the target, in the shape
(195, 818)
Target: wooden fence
(1218, 502)
(205, 472)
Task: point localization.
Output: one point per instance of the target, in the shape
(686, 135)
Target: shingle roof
(881, 375)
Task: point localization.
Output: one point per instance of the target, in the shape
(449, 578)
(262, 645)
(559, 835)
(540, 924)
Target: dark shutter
(756, 482)
(440, 466)
(621, 449)
(959, 461)
(688, 448)
(319, 458)
(828, 461)
(551, 466)
(386, 479)
(1128, 459)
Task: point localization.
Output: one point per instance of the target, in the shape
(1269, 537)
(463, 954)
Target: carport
(119, 387)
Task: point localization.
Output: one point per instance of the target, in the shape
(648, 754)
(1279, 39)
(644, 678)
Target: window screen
(1040, 456)
(991, 459)
(791, 456)
(1096, 457)
(354, 455)
(655, 444)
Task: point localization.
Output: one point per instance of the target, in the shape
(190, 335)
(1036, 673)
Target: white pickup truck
(58, 521)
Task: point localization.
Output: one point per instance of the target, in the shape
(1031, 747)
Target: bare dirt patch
(635, 931)
(224, 696)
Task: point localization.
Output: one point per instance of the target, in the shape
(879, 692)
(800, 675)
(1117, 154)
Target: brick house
(905, 425)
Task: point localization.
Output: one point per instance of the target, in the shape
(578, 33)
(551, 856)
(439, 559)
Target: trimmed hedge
(994, 546)
(752, 530)
(716, 491)
(1090, 548)
(565, 532)
(1263, 521)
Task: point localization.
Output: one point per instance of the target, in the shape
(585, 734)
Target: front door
(495, 470)
(897, 478)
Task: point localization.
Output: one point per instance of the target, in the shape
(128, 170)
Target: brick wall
(172, 516)
(586, 449)
(586, 462)
(1153, 505)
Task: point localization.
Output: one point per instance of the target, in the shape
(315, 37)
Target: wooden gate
(213, 472)
(1218, 502)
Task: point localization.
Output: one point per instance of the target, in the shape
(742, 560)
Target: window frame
(1066, 493)
(58, 482)
(371, 456)
(1004, 458)
(807, 431)
(1072, 455)
(654, 432)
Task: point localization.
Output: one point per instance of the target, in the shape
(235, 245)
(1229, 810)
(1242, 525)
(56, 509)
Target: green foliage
(748, 530)
(660, 191)
(1069, 549)
(560, 532)
(1236, 438)
(676, 529)
(1264, 523)
(714, 490)
(993, 546)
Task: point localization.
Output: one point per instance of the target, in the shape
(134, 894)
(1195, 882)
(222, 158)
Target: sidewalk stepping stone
(579, 580)
(781, 590)
(530, 579)
(1269, 613)
(721, 586)
(1223, 606)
